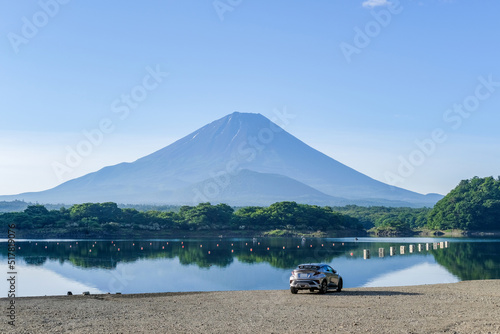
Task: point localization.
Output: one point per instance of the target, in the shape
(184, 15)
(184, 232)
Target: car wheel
(340, 285)
(293, 290)
(324, 287)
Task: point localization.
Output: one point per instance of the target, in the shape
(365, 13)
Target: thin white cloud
(375, 3)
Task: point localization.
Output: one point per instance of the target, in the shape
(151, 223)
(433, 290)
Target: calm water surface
(53, 267)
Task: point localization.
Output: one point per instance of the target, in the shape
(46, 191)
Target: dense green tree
(290, 215)
(207, 215)
(104, 212)
(473, 205)
(393, 217)
(36, 210)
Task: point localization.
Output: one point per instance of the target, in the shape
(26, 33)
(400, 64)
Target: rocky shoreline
(464, 307)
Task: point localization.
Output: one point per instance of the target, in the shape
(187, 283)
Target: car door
(328, 273)
(333, 276)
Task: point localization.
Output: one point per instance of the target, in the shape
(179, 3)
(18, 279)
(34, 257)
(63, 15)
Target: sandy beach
(465, 307)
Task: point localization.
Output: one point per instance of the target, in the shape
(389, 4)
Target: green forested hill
(108, 219)
(473, 205)
(381, 216)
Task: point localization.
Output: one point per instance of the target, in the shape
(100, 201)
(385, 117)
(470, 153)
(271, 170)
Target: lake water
(54, 267)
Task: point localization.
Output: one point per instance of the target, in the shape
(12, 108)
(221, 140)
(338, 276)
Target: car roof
(318, 265)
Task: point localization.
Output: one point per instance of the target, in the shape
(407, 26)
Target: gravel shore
(465, 307)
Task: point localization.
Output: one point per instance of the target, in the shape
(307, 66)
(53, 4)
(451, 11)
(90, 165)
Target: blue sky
(407, 92)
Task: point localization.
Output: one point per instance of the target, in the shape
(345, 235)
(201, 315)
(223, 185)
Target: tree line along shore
(474, 205)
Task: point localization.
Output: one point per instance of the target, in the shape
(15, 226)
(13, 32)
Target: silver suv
(315, 276)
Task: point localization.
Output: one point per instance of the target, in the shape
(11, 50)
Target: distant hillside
(13, 206)
(240, 159)
(473, 205)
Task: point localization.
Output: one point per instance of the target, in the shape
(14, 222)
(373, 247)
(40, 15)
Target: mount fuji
(240, 159)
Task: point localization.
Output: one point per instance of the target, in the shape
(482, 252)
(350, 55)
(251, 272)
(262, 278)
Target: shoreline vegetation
(464, 307)
(472, 208)
(283, 219)
(169, 234)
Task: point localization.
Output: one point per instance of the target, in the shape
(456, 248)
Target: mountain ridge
(223, 148)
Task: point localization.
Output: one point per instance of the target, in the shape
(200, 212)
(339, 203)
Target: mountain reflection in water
(244, 264)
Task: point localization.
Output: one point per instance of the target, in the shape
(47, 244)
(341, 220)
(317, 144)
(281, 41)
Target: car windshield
(309, 267)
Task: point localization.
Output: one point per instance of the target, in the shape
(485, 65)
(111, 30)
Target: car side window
(330, 269)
